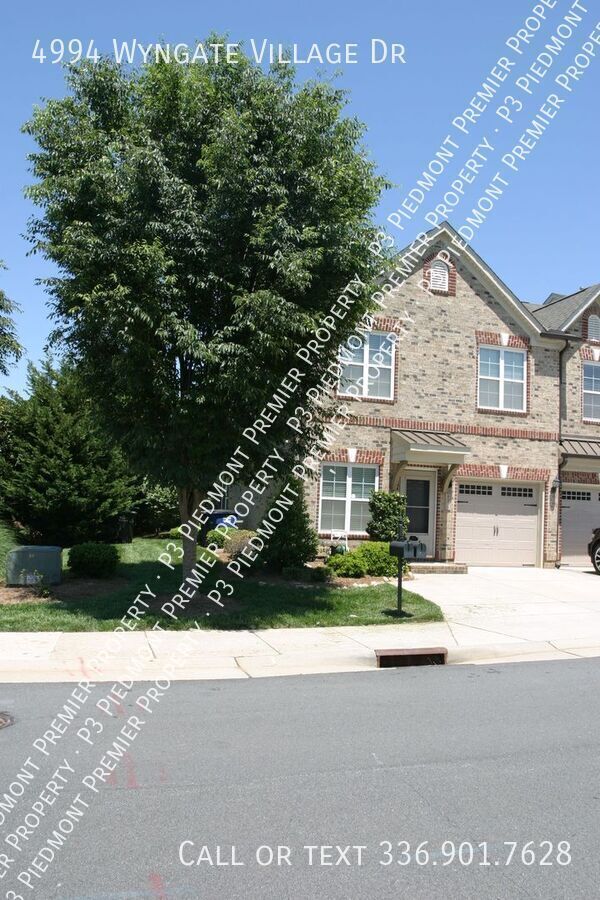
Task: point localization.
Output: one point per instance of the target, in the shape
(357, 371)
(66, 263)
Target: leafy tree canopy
(203, 218)
(10, 349)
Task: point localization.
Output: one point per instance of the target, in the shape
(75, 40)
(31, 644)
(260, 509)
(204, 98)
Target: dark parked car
(594, 550)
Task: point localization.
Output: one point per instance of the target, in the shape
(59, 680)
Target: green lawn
(252, 605)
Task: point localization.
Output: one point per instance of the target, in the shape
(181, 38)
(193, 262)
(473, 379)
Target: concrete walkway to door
(510, 605)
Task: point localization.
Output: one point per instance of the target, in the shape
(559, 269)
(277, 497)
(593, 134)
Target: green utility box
(34, 565)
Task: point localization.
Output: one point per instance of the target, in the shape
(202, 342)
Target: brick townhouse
(486, 415)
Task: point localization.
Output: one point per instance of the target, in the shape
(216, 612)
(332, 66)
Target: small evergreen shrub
(318, 574)
(377, 559)
(388, 515)
(348, 565)
(175, 533)
(93, 560)
(218, 538)
(321, 573)
(294, 541)
(237, 540)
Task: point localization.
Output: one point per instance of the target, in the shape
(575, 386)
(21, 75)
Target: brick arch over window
(428, 273)
(591, 325)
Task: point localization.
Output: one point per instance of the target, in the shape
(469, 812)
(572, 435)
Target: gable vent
(438, 276)
(594, 328)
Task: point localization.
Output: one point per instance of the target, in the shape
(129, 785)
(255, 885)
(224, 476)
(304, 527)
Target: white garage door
(497, 524)
(580, 515)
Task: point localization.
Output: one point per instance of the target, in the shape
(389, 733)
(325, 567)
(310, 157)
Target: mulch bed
(70, 589)
(13, 595)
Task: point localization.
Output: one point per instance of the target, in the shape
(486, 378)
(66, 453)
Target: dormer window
(439, 276)
(593, 328)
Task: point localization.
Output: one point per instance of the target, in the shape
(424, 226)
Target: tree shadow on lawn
(252, 605)
(255, 603)
(395, 614)
(258, 601)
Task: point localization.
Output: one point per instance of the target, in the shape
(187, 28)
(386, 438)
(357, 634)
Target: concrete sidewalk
(146, 656)
(492, 615)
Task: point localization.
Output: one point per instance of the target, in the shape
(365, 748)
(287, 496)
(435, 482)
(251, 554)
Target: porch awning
(432, 447)
(580, 454)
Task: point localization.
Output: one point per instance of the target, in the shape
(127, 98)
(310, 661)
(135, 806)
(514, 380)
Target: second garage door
(497, 524)
(580, 514)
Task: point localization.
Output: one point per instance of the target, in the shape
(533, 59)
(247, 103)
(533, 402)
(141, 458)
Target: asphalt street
(494, 767)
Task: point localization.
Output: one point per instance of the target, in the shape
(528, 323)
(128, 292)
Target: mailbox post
(397, 550)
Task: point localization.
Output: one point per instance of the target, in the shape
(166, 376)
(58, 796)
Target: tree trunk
(187, 503)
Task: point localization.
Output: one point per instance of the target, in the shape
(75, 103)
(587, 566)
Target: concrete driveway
(498, 605)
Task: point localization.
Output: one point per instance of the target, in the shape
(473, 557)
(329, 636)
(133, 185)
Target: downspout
(562, 460)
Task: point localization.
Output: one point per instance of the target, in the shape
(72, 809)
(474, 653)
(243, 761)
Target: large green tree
(10, 349)
(61, 480)
(203, 218)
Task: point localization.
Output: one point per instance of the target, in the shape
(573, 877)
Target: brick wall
(436, 389)
(574, 358)
(437, 355)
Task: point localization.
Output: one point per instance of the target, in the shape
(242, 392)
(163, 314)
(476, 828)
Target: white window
(345, 493)
(594, 328)
(438, 275)
(369, 367)
(502, 378)
(591, 391)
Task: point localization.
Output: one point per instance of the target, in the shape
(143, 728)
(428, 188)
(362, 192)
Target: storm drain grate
(420, 656)
(5, 720)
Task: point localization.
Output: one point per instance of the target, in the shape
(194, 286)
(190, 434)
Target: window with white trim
(345, 494)
(593, 328)
(369, 367)
(502, 379)
(591, 391)
(439, 276)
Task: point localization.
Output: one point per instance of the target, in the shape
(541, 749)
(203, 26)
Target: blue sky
(540, 237)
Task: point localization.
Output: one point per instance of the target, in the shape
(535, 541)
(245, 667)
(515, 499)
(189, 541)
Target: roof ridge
(568, 296)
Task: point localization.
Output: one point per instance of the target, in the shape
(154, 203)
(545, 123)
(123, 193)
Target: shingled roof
(559, 311)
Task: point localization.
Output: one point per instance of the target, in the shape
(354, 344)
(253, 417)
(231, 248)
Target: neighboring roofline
(518, 306)
(563, 336)
(560, 298)
(580, 312)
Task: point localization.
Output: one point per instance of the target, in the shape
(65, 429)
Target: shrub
(321, 573)
(348, 565)
(388, 515)
(175, 532)
(294, 541)
(307, 573)
(156, 508)
(61, 477)
(219, 538)
(377, 559)
(93, 560)
(237, 540)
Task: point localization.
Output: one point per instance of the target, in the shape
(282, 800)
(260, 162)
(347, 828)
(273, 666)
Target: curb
(523, 651)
